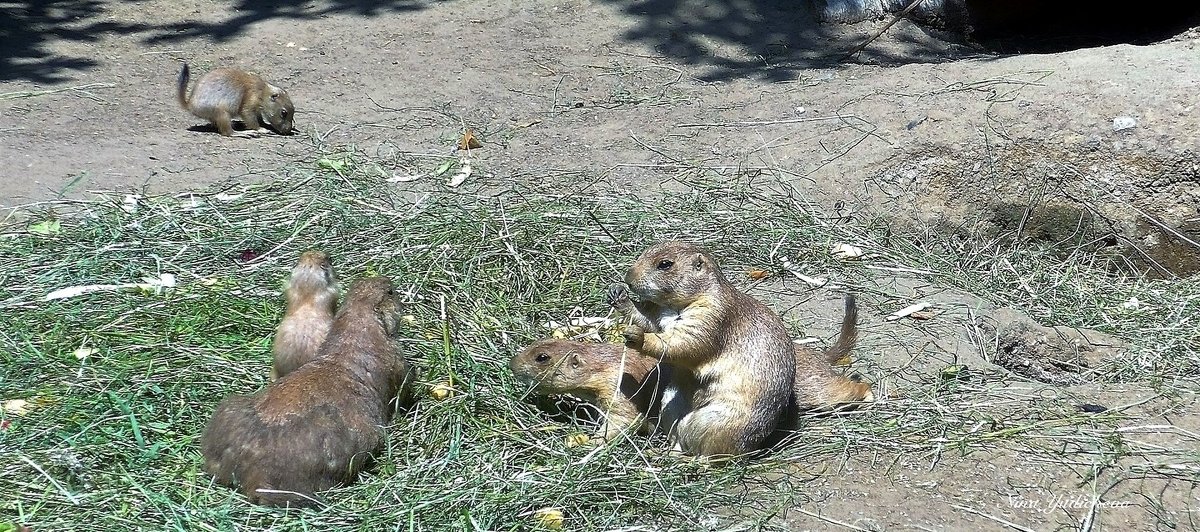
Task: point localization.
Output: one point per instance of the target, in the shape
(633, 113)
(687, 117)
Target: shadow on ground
(31, 31)
(772, 40)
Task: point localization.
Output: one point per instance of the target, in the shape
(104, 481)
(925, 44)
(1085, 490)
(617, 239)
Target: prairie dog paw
(634, 336)
(618, 295)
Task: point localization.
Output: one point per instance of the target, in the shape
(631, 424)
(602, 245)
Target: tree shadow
(32, 32)
(28, 28)
(774, 40)
(247, 12)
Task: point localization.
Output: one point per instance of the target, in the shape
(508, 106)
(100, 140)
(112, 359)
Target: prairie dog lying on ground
(623, 384)
(319, 425)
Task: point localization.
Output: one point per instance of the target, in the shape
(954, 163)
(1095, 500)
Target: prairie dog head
(673, 274)
(312, 279)
(381, 296)
(553, 366)
(277, 110)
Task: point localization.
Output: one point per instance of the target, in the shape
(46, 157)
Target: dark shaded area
(772, 40)
(1039, 354)
(28, 29)
(1173, 254)
(247, 12)
(1050, 26)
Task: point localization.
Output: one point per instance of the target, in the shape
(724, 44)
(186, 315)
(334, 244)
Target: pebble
(1121, 123)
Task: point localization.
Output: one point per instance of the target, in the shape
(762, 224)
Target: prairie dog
(591, 371)
(736, 362)
(317, 426)
(625, 385)
(818, 386)
(225, 93)
(312, 295)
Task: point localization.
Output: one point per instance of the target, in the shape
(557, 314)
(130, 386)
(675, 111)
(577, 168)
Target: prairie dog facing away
(312, 295)
(623, 384)
(734, 363)
(225, 93)
(317, 426)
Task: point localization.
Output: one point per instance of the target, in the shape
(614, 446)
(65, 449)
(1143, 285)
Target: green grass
(111, 441)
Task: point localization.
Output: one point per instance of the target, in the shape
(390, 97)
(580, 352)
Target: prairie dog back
(318, 426)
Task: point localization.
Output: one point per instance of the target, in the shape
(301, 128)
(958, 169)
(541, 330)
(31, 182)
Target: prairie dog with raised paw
(623, 384)
(316, 427)
(225, 93)
(733, 360)
(628, 387)
(312, 295)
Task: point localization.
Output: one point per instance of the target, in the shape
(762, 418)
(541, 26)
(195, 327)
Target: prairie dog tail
(181, 86)
(847, 336)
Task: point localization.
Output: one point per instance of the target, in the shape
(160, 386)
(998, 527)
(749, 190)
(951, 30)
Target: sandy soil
(635, 94)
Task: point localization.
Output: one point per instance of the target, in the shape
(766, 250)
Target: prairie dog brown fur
(225, 93)
(317, 426)
(591, 371)
(312, 295)
(625, 385)
(818, 386)
(736, 362)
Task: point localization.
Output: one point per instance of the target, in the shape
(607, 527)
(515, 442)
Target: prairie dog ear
(698, 262)
(275, 91)
(574, 360)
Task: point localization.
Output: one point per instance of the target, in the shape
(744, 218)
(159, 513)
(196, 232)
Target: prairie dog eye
(542, 358)
(665, 264)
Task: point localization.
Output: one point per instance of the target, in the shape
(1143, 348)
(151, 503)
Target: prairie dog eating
(735, 362)
(225, 93)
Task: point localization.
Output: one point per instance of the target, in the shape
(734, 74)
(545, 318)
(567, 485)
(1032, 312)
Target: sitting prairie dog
(623, 384)
(225, 93)
(312, 295)
(734, 364)
(317, 426)
(628, 386)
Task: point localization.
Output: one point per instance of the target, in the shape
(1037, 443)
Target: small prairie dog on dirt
(734, 362)
(317, 426)
(225, 93)
(625, 385)
(312, 295)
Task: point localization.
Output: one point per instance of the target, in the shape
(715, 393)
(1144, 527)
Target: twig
(60, 487)
(895, 18)
(829, 520)
(768, 122)
(80, 89)
(989, 516)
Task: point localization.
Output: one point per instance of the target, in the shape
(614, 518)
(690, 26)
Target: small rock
(1121, 123)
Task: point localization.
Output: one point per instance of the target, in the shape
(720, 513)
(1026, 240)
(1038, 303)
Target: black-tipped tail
(181, 86)
(848, 335)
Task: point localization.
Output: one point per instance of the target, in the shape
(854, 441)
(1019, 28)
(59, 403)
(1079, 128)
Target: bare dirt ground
(633, 94)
